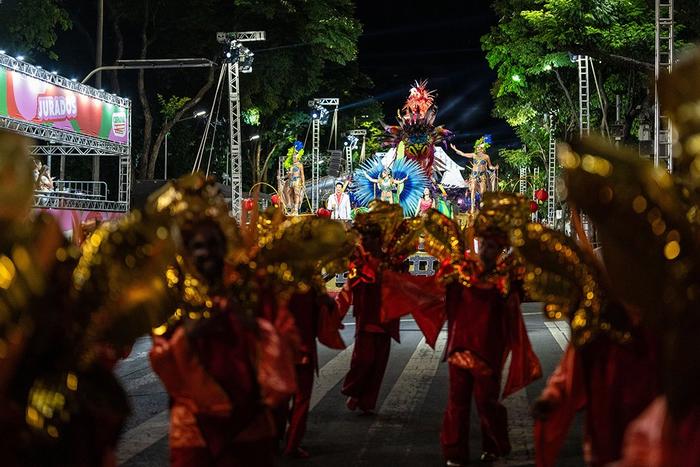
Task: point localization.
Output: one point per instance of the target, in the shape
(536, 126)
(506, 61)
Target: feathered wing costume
(407, 193)
(416, 128)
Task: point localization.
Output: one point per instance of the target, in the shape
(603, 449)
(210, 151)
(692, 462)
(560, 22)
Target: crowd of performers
(235, 311)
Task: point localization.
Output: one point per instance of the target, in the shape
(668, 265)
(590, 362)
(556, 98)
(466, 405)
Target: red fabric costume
(372, 336)
(483, 327)
(315, 317)
(613, 382)
(222, 377)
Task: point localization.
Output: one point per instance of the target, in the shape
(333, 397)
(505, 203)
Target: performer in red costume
(613, 382)
(315, 317)
(372, 336)
(224, 365)
(484, 324)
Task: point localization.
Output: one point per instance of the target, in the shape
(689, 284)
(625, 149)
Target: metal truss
(535, 176)
(315, 162)
(349, 148)
(522, 185)
(551, 173)
(54, 200)
(46, 133)
(316, 149)
(663, 63)
(584, 96)
(57, 150)
(246, 36)
(234, 70)
(235, 139)
(61, 81)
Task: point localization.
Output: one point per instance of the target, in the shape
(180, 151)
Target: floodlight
(20, 57)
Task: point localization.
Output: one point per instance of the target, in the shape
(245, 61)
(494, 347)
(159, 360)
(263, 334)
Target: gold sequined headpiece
(501, 212)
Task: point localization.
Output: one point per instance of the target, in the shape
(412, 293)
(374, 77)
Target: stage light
(201, 113)
(20, 57)
(2, 51)
(73, 79)
(254, 137)
(516, 78)
(547, 67)
(54, 72)
(39, 67)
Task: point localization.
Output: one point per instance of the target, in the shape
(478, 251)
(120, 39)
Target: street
(405, 430)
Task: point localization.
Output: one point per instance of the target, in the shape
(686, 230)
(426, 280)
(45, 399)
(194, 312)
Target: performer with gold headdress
(209, 357)
(479, 297)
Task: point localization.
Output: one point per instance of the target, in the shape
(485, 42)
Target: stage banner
(35, 101)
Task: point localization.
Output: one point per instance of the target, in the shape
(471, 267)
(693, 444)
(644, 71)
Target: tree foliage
(32, 25)
(533, 49)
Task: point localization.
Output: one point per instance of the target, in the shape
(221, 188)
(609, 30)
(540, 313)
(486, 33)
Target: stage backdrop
(35, 101)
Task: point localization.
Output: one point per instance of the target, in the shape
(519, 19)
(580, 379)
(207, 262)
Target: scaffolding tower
(663, 63)
(535, 176)
(551, 172)
(523, 180)
(351, 146)
(584, 96)
(316, 146)
(240, 61)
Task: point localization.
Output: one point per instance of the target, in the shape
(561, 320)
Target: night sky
(437, 40)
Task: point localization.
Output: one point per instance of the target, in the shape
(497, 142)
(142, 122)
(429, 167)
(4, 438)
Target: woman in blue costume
(386, 183)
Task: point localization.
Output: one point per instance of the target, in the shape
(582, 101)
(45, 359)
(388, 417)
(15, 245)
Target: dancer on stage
(480, 167)
(339, 203)
(387, 185)
(426, 202)
(293, 190)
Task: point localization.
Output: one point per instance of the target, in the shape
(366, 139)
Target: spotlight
(201, 113)
(254, 137)
(73, 79)
(2, 51)
(20, 57)
(54, 72)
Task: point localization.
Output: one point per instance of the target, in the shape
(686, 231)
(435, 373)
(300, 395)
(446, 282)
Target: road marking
(330, 374)
(143, 436)
(156, 428)
(560, 332)
(520, 422)
(407, 395)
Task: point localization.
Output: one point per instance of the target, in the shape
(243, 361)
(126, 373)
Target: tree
(303, 37)
(532, 48)
(32, 25)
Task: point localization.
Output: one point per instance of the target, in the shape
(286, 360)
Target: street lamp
(201, 113)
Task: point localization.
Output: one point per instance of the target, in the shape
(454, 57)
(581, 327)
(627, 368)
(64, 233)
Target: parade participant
(484, 324)
(315, 317)
(60, 403)
(294, 188)
(212, 359)
(386, 240)
(426, 202)
(339, 203)
(480, 167)
(387, 184)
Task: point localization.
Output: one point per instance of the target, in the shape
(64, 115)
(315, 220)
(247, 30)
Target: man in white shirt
(339, 203)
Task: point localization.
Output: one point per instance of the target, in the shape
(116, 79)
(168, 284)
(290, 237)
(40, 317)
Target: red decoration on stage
(533, 206)
(541, 195)
(248, 204)
(323, 212)
(275, 199)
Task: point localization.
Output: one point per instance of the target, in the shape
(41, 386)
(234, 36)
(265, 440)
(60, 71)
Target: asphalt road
(405, 430)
